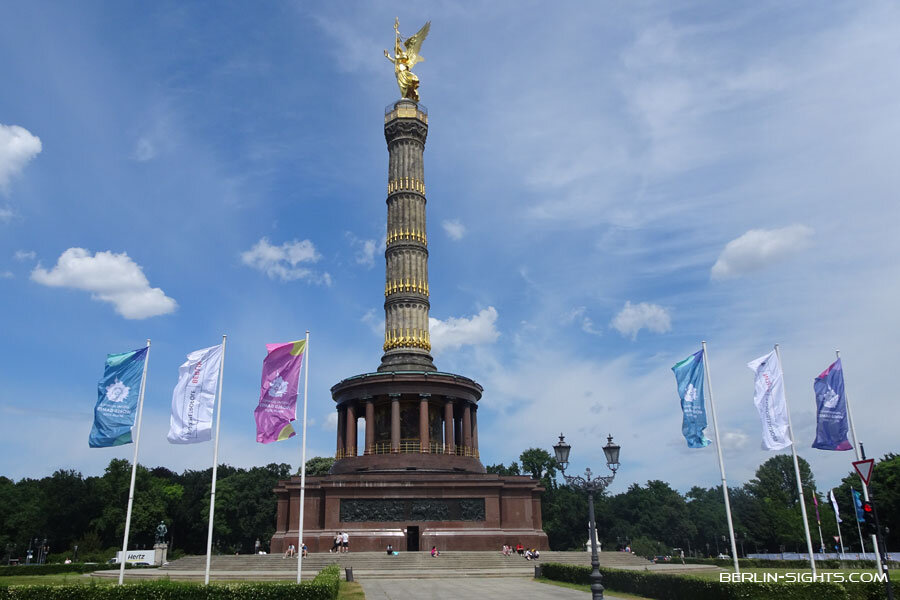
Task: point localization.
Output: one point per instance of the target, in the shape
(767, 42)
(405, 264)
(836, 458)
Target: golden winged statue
(406, 55)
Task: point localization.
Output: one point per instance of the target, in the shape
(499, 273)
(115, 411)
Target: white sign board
(139, 556)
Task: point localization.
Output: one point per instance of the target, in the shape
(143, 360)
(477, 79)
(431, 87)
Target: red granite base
(511, 511)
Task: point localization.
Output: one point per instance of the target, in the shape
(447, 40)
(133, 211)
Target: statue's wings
(414, 45)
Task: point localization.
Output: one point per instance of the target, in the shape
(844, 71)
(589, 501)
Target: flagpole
(818, 522)
(137, 443)
(858, 528)
(837, 519)
(712, 407)
(212, 493)
(858, 451)
(303, 460)
(809, 546)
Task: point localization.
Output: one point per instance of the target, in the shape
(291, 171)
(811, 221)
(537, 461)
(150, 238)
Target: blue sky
(608, 184)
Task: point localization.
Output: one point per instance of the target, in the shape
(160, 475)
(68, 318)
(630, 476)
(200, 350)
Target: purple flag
(278, 393)
(831, 410)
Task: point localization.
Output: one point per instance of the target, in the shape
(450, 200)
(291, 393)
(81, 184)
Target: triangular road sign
(864, 468)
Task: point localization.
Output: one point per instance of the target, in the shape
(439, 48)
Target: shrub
(675, 587)
(324, 586)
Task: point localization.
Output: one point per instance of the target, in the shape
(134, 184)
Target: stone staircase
(376, 565)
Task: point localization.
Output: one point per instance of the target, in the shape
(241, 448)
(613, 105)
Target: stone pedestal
(162, 553)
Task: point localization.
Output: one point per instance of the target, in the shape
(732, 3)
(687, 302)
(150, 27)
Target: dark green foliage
(68, 509)
(319, 465)
(325, 586)
(500, 469)
(677, 587)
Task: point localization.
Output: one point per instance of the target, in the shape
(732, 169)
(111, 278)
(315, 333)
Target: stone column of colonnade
(460, 426)
(407, 342)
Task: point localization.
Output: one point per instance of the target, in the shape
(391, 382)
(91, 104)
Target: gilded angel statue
(406, 55)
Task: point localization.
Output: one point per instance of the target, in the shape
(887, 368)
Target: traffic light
(869, 517)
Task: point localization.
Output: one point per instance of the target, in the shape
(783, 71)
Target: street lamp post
(590, 484)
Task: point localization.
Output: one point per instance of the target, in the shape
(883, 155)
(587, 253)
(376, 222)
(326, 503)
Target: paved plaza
(476, 587)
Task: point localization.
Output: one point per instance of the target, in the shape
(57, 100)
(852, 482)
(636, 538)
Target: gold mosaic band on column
(406, 285)
(406, 235)
(407, 338)
(406, 184)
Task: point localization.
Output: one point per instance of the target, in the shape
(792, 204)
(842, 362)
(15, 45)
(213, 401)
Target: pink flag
(278, 393)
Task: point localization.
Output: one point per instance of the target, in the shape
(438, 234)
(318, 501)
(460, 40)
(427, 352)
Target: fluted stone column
(448, 425)
(351, 430)
(423, 422)
(457, 430)
(467, 426)
(475, 427)
(341, 422)
(370, 427)
(407, 342)
(395, 422)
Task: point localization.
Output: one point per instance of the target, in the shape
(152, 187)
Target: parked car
(724, 557)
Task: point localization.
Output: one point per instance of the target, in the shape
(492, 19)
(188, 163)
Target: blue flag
(117, 399)
(689, 375)
(831, 410)
(857, 502)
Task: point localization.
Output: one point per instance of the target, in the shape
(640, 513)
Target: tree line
(68, 509)
(655, 518)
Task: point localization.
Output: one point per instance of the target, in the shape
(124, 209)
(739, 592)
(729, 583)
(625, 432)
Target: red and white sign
(864, 468)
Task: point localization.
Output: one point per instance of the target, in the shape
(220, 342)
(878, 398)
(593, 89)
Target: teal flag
(689, 375)
(117, 399)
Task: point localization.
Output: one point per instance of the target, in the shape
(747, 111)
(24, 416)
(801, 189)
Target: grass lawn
(351, 591)
(587, 588)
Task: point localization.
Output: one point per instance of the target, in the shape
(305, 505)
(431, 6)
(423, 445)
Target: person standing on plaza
(345, 542)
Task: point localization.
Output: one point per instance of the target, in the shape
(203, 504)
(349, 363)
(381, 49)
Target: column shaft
(423, 424)
(341, 422)
(448, 426)
(395, 423)
(370, 427)
(475, 428)
(350, 443)
(467, 426)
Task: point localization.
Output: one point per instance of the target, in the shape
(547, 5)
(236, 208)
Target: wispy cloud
(17, 147)
(634, 317)
(21, 255)
(579, 315)
(454, 229)
(110, 277)
(281, 262)
(758, 248)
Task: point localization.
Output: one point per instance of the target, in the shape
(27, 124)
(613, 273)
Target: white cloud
(280, 262)
(759, 247)
(330, 422)
(144, 150)
(456, 332)
(365, 250)
(634, 317)
(6, 214)
(24, 255)
(113, 278)
(6, 275)
(17, 147)
(455, 229)
(587, 323)
(375, 324)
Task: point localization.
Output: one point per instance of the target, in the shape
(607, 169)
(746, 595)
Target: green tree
(500, 469)
(775, 488)
(540, 465)
(319, 465)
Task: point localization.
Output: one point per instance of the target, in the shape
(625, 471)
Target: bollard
(537, 571)
(348, 574)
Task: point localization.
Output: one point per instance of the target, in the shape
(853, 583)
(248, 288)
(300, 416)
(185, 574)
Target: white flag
(194, 397)
(770, 402)
(835, 506)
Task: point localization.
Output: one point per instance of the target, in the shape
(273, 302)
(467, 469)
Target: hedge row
(765, 563)
(323, 587)
(676, 587)
(54, 569)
